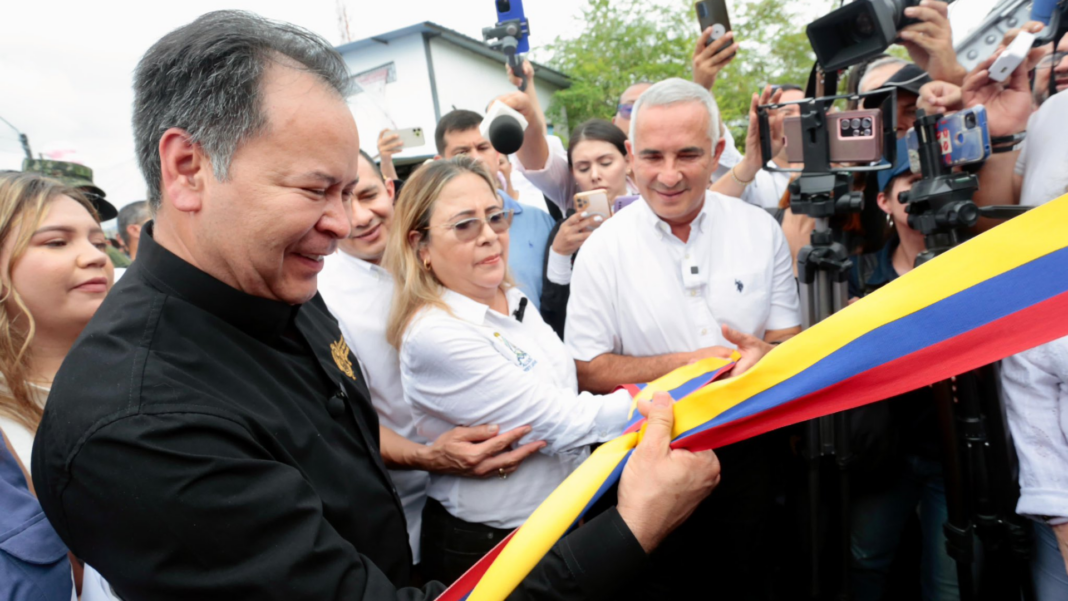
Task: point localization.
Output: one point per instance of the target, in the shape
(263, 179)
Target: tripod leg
(960, 534)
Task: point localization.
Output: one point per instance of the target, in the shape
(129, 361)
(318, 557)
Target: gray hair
(135, 213)
(205, 78)
(674, 91)
(878, 64)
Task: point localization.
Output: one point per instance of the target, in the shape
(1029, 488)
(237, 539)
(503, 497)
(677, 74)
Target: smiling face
(266, 229)
(598, 165)
(370, 213)
(475, 268)
(673, 159)
(63, 275)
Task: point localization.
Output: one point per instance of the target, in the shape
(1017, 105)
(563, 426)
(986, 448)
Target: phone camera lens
(969, 120)
(867, 123)
(854, 123)
(844, 123)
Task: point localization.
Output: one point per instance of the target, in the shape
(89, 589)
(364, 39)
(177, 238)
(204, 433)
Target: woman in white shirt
(55, 274)
(471, 353)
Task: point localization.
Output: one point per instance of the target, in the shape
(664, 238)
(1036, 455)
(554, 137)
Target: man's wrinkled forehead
(684, 123)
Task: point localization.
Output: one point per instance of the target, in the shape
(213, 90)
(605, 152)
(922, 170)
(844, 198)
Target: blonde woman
(473, 351)
(54, 275)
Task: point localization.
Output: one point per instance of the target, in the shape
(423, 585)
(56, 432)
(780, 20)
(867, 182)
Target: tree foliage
(627, 41)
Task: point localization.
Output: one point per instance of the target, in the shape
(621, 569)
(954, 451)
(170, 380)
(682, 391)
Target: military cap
(76, 176)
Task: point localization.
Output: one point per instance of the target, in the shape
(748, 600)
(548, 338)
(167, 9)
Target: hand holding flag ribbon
(998, 294)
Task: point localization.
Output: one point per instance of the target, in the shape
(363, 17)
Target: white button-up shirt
(359, 294)
(465, 365)
(638, 290)
(1035, 389)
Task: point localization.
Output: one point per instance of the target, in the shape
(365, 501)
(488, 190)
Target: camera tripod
(978, 456)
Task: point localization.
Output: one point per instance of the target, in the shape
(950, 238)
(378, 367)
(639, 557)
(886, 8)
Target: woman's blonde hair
(415, 286)
(24, 200)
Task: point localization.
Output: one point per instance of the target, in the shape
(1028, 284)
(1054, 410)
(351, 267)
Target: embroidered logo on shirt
(340, 351)
(738, 284)
(522, 358)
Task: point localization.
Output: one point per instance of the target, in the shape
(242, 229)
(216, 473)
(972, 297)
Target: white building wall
(469, 81)
(404, 103)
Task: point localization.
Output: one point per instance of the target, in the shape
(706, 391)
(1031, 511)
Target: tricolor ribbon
(998, 294)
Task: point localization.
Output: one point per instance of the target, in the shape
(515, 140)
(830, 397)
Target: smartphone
(411, 137)
(513, 9)
(795, 153)
(1012, 56)
(713, 13)
(964, 137)
(595, 202)
(855, 137)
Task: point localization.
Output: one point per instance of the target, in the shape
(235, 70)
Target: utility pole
(22, 138)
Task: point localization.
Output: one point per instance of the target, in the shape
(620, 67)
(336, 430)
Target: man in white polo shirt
(358, 291)
(676, 278)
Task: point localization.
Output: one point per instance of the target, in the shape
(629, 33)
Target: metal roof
(478, 47)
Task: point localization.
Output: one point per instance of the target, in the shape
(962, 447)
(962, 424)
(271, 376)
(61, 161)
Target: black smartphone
(713, 13)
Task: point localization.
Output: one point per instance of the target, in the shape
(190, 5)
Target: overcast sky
(66, 65)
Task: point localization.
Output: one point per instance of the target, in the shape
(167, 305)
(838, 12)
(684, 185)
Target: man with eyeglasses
(1055, 65)
(626, 105)
(1038, 165)
(458, 133)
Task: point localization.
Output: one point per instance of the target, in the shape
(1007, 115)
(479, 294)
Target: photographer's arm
(1008, 107)
(710, 57)
(742, 174)
(930, 42)
(534, 153)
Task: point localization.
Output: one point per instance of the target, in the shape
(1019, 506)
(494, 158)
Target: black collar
(259, 317)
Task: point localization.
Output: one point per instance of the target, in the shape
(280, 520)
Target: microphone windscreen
(506, 134)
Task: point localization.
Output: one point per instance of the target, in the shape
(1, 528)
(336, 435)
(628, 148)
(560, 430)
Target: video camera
(857, 31)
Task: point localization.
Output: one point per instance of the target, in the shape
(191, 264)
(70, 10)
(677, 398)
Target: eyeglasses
(1051, 59)
(624, 110)
(467, 230)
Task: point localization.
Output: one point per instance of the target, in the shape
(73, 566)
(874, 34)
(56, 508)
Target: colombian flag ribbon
(996, 295)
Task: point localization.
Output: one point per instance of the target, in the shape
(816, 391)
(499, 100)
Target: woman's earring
(426, 264)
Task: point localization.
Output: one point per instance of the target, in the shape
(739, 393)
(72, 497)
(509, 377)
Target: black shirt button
(336, 407)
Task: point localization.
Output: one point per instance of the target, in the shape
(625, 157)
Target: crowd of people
(295, 375)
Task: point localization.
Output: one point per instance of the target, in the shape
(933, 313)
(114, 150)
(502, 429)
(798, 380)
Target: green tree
(627, 41)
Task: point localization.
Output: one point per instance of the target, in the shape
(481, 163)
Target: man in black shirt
(210, 435)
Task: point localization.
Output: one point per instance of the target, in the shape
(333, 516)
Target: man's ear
(391, 190)
(133, 231)
(717, 152)
(630, 154)
(184, 170)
